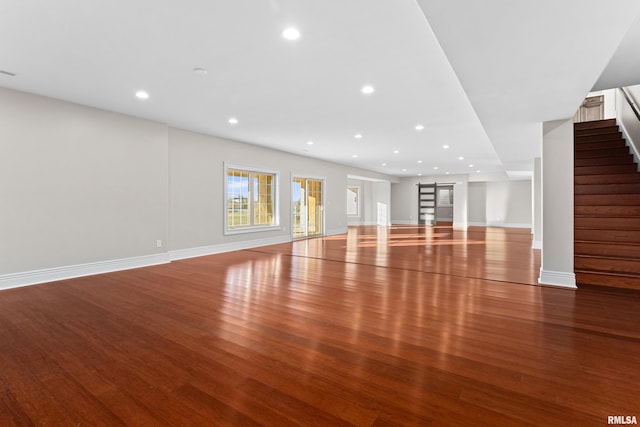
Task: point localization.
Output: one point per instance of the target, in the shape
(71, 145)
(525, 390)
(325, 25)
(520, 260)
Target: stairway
(607, 208)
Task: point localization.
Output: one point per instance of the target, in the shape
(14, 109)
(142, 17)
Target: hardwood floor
(383, 326)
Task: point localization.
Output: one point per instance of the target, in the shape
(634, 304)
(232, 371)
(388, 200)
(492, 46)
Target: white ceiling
(479, 76)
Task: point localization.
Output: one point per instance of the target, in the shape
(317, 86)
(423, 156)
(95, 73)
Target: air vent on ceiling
(8, 73)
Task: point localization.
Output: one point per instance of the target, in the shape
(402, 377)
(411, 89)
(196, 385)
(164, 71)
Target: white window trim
(276, 208)
(324, 198)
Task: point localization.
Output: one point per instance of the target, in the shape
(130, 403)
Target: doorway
(435, 204)
(591, 109)
(307, 207)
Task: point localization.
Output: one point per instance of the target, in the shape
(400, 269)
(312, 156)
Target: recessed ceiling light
(470, 166)
(419, 127)
(309, 142)
(200, 71)
(354, 155)
(233, 121)
(357, 136)
(419, 174)
(291, 34)
(460, 158)
(478, 171)
(404, 170)
(141, 94)
(447, 173)
(419, 161)
(368, 89)
(445, 146)
(435, 167)
(396, 151)
(384, 164)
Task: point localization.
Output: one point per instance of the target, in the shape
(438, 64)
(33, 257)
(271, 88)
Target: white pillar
(557, 205)
(460, 202)
(536, 203)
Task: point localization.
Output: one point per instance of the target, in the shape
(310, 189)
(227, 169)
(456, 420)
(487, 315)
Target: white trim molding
(16, 280)
(537, 244)
(557, 278)
(225, 247)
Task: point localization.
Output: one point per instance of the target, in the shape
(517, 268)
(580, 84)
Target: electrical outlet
(158, 243)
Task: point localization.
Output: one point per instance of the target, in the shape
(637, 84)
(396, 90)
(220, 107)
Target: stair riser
(594, 124)
(607, 249)
(607, 199)
(596, 153)
(607, 265)
(622, 224)
(602, 161)
(607, 210)
(612, 236)
(600, 145)
(596, 131)
(604, 170)
(607, 188)
(618, 178)
(607, 280)
(602, 137)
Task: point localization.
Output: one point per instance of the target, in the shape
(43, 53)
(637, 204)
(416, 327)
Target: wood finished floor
(384, 326)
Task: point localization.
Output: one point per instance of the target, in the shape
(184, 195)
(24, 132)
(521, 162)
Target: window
(251, 203)
(353, 201)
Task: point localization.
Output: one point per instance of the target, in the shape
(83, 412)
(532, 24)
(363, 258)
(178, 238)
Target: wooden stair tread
(594, 124)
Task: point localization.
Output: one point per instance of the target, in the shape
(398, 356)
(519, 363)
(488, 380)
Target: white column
(557, 205)
(536, 203)
(460, 202)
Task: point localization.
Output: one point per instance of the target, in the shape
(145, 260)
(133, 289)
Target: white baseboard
(403, 222)
(499, 224)
(557, 278)
(15, 280)
(225, 247)
(336, 231)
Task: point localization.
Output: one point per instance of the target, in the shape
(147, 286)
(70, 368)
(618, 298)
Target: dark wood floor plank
(383, 326)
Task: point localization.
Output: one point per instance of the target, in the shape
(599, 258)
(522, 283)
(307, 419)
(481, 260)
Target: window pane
(263, 198)
(237, 198)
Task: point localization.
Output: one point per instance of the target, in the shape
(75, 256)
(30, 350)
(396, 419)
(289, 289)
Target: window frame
(251, 227)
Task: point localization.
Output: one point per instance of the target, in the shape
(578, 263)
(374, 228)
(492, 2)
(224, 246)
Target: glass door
(308, 207)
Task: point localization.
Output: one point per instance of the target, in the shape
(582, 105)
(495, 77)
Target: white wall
(87, 191)
(501, 203)
(557, 204)
(78, 185)
(375, 202)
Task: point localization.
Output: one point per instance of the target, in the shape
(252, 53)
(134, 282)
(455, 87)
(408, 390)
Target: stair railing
(628, 118)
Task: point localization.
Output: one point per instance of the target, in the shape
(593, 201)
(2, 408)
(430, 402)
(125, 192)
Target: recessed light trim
(471, 165)
(419, 161)
(354, 156)
(384, 164)
(445, 146)
(404, 170)
(419, 127)
(141, 94)
(460, 158)
(367, 89)
(436, 168)
(291, 33)
(358, 136)
(309, 142)
(233, 121)
(396, 151)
